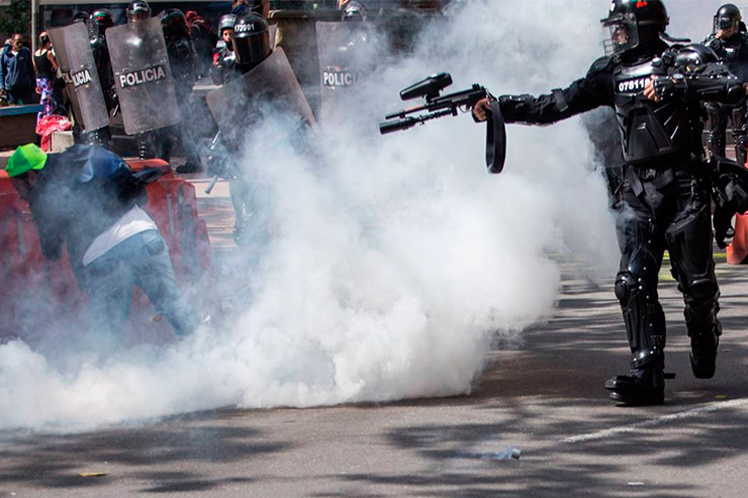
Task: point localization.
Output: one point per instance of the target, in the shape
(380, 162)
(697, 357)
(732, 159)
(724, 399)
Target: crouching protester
(88, 199)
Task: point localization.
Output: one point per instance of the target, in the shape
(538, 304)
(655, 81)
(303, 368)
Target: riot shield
(346, 56)
(243, 103)
(74, 54)
(142, 76)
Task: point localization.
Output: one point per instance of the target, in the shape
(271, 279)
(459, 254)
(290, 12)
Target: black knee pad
(625, 287)
(703, 289)
(690, 245)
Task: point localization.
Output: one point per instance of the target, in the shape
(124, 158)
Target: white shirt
(133, 222)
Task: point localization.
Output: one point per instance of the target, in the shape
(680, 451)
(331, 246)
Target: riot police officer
(138, 10)
(224, 60)
(182, 55)
(100, 21)
(355, 14)
(664, 202)
(353, 11)
(247, 45)
(730, 41)
(183, 62)
(251, 41)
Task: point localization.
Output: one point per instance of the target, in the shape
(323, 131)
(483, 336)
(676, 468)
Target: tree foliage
(15, 18)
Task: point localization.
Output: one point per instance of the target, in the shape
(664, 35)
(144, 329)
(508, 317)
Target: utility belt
(663, 170)
(692, 162)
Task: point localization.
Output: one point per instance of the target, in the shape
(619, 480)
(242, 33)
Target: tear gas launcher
(438, 106)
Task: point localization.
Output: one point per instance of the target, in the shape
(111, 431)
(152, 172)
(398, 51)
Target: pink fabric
(48, 125)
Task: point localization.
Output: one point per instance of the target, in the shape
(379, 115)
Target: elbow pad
(559, 98)
(515, 107)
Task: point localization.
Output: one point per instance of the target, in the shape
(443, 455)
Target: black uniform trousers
(719, 117)
(665, 208)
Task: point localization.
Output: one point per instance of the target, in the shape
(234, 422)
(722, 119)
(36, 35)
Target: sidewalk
(216, 209)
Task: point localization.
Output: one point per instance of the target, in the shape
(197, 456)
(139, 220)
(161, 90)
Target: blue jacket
(79, 194)
(17, 71)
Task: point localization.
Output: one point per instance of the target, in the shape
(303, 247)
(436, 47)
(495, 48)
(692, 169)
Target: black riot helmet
(635, 26)
(138, 10)
(727, 17)
(81, 16)
(226, 21)
(101, 19)
(174, 24)
(354, 11)
(251, 40)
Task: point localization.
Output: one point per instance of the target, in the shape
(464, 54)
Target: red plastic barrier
(9, 245)
(172, 204)
(32, 286)
(737, 252)
(39, 295)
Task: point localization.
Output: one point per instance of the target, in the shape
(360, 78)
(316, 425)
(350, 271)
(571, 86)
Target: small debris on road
(92, 474)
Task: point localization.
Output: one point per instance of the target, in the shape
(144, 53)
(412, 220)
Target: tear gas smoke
(388, 265)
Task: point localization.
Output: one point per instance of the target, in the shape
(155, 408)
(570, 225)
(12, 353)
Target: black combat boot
(704, 354)
(645, 384)
(704, 329)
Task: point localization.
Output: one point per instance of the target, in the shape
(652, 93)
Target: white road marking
(696, 412)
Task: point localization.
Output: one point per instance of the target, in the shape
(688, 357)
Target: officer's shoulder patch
(600, 65)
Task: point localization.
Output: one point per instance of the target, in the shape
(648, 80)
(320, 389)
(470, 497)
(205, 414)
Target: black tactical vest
(648, 129)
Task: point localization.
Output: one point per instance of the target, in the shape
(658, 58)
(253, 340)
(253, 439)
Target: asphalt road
(544, 397)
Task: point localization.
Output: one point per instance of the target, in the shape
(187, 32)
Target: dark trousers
(22, 96)
(141, 260)
(719, 117)
(665, 209)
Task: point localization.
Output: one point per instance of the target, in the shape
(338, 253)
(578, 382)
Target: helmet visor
(726, 24)
(621, 35)
(253, 49)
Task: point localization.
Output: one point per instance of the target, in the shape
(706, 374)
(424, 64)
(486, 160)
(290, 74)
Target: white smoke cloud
(391, 263)
(694, 19)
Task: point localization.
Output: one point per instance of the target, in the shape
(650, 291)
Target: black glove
(514, 106)
(667, 87)
(723, 230)
(716, 44)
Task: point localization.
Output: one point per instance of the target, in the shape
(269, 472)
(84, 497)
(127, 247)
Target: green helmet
(26, 158)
